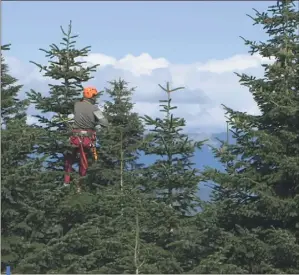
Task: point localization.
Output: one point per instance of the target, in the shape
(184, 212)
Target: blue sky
(190, 44)
(179, 31)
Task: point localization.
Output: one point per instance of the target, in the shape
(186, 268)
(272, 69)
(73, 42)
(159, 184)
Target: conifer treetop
(173, 176)
(66, 74)
(66, 66)
(11, 105)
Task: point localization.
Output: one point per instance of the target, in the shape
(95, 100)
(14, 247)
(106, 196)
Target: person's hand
(98, 128)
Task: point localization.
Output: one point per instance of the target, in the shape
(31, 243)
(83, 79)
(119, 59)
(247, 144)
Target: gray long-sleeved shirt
(88, 116)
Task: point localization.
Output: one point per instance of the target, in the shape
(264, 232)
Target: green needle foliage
(257, 197)
(118, 143)
(144, 219)
(18, 171)
(174, 180)
(61, 209)
(105, 224)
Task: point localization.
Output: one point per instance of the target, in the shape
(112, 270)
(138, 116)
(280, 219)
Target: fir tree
(11, 106)
(60, 210)
(63, 66)
(122, 139)
(172, 182)
(174, 178)
(18, 171)
(257, 197)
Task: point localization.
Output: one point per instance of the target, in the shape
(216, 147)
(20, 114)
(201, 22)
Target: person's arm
(101, 120)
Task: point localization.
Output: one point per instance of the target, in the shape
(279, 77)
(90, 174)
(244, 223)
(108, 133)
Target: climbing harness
(81, 140)
(84, 139)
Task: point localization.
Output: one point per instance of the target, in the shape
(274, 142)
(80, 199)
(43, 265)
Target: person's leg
(68, 163)
(85, 147)
(83, 163)
(83, 166)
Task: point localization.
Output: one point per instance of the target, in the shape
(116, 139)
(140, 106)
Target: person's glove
(98, 128)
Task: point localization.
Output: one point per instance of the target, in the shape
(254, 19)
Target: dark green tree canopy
(143, 218)
(257, 196)
(11, 105)
(174, 179)
(19, 172)
(118, 143)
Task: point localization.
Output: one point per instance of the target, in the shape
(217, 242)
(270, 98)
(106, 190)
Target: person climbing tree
(68, 76)
(88, 119)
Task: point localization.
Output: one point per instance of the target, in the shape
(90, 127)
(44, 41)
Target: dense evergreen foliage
(136, 217)
(19, 172)
(119, 143)
(257, 197)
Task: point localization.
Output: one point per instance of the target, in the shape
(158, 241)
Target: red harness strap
(83, 158)
(85, 140)
(81, 140)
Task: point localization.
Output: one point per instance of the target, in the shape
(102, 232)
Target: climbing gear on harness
(94, 153)
(81, 140)
(89, 92)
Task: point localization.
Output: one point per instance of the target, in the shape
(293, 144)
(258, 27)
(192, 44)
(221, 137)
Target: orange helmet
(89, 92)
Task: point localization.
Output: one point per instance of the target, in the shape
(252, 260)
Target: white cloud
(207, 85)
(24, 72)
(99, 58)
(239, 62)
(143, 64)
